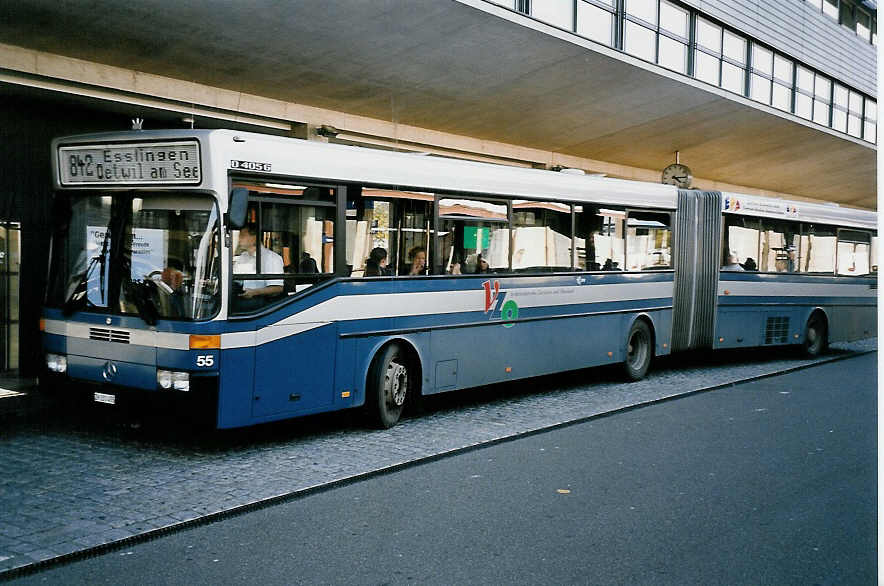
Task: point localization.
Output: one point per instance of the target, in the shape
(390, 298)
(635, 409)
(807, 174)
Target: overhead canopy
(461, 67)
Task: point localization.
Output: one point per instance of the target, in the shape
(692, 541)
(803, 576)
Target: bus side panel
(470, 357)
(295, 374)
(348, 390)
(760, 309)
(848, 323)
(662, 324)
(235, 387)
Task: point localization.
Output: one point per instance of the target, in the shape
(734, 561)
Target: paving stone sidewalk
(71, 482)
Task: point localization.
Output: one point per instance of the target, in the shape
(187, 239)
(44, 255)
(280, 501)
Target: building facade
(775, 98)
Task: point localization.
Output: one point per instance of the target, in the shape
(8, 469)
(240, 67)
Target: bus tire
(816, 335)
(389, 386)
(639, 350)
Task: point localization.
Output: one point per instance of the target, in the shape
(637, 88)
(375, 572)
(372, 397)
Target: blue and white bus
(255, 278)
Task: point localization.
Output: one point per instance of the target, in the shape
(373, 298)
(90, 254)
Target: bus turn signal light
(204, 342)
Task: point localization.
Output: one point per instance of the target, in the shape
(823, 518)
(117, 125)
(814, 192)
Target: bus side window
(854, 249)
(286, 246)
(475, 236)
(397, 224)
(818, 249)
(600, 238)
(541, 236)
(780, 247)
(741, 243)
(648, 241)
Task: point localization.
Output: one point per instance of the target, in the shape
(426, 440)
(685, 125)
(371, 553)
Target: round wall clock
(678, 175)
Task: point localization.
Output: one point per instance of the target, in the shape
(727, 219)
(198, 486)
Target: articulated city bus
(256, 278)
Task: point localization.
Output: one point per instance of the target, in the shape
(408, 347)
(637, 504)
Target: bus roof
(302, 159)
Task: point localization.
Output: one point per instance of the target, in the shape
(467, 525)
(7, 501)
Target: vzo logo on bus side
(498, 304)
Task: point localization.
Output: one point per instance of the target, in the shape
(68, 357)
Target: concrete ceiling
(447, 66)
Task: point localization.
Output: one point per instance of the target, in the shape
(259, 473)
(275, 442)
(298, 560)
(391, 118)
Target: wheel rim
(395, 384)
(814, 335)
(637, 350)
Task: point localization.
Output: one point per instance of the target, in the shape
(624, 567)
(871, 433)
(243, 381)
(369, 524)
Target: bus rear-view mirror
(236, 211)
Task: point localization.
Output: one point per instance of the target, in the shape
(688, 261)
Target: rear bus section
(795, 273)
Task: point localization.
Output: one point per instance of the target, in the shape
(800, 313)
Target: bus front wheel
(815, 335)
(638, 351)
(389, 385)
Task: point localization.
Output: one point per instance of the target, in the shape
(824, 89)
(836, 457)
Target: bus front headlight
(173, 379)
(164, 379)
(56, 363)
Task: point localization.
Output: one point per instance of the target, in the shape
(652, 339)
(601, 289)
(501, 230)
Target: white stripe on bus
(762, 289)
(387, 305)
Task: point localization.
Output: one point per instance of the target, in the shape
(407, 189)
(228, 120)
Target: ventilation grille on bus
(777, 331)
(106, 335)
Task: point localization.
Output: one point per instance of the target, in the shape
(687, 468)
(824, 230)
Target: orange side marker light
(205, 342)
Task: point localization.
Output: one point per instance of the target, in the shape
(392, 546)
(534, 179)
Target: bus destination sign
(130, 164)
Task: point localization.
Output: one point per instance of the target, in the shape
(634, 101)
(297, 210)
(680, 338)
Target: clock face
(678, 175)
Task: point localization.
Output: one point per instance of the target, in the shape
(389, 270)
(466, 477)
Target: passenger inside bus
(732, 264)
(418, 258)
(376, 263)
(307, 264)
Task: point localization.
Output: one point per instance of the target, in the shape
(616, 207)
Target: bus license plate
(105, 398)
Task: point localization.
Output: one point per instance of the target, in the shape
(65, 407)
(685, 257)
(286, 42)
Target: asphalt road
(770, 482)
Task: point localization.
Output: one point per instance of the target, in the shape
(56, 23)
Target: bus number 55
(205, 360)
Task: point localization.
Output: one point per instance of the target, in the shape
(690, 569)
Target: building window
(847, 16)
(782, 88)
(674, 27)
(822, 96)
(659, 31)
(707, 56)
(645, 10)
(863, 25)
(638, 38)
(558, 13)
(830, 8)
(870, 131)
(639, 41)
(804, 93)
(596, 22)
(854, 115)
(762, 74)
(839, 108)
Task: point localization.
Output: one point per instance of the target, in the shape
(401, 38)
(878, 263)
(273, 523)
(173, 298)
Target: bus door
(294, 373)
(288, 247)
(697, 250)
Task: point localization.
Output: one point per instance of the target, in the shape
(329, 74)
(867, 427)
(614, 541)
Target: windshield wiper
(80, 292)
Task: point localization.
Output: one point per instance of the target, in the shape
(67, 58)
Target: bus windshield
(156, 255)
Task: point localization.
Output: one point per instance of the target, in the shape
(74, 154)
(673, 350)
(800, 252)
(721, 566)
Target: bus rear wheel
(389, 386)
(816, 335)
(638, 351)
